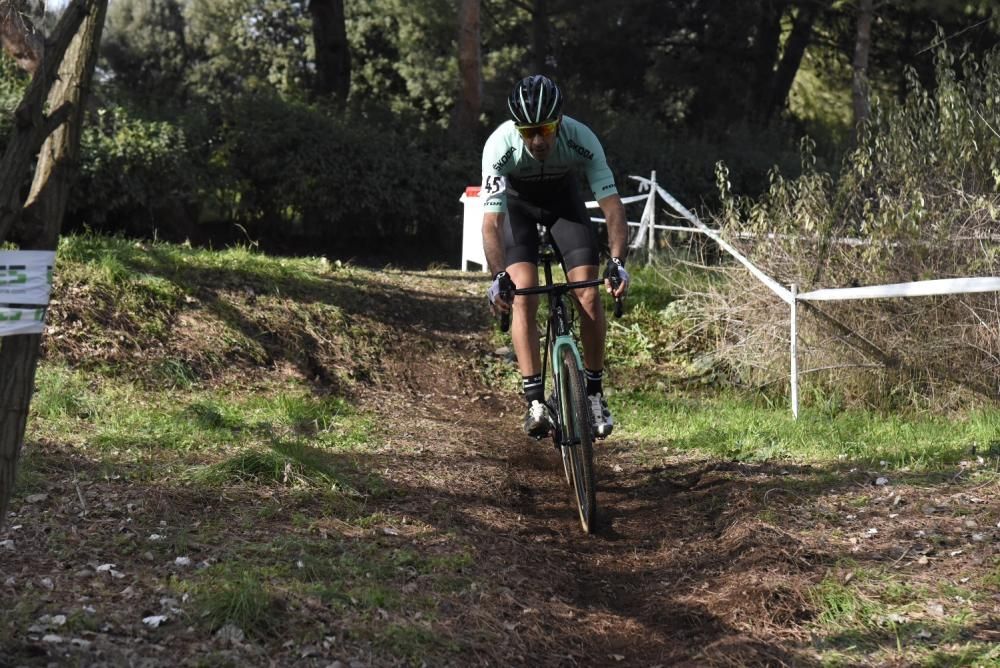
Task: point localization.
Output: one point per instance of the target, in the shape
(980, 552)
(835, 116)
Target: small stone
(154, 621)
(230, 634)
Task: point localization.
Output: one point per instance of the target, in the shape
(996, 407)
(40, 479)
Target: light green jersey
(506, 161)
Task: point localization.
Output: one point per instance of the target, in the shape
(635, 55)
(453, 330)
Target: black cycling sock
(533, 388)
(595, 381)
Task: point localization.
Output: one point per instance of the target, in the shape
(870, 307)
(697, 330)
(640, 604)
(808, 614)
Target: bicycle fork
(559, 371)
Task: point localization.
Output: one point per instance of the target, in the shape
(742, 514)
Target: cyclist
(529, 179)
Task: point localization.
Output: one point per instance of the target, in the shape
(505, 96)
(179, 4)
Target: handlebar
(561, 288)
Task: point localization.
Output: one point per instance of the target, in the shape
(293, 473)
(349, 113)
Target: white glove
(616, 271)
(501, 288)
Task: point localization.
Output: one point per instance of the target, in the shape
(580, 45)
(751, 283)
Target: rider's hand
(616, 274)
(501, 292)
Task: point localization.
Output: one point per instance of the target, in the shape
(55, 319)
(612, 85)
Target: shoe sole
(540, 433)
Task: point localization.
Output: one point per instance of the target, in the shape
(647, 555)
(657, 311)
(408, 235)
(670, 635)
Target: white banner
(26, 277)
(25, 282)
(21, 320)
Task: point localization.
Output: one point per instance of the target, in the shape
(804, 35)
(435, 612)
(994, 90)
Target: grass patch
(740, 428)
(841, 607)
(243, 599)
(63, 394)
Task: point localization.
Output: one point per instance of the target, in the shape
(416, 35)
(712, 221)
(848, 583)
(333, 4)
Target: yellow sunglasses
(544, 129)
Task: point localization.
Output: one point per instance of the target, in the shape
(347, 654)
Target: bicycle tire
(557, 434)
(577, 423)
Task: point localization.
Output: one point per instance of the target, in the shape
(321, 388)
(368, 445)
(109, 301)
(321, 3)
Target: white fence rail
(791, 296)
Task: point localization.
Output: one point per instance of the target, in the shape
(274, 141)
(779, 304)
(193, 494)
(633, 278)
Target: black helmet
(535, 99)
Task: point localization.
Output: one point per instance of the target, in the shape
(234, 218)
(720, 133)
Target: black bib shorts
(558, 206)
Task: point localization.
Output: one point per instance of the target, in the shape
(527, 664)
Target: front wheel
(576, 424)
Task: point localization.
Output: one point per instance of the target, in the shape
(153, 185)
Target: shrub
(919, 198)
(346, 180)
(134, 172)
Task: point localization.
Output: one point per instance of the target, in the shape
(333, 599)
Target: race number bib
(493, 185)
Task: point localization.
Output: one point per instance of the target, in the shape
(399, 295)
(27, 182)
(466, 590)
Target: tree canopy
(186, 86)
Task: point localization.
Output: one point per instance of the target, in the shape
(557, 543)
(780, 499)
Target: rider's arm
(496, 155)
(493, 242)
(614, 215)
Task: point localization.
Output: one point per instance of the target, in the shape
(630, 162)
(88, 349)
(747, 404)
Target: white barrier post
(795, 351)
(651, 245)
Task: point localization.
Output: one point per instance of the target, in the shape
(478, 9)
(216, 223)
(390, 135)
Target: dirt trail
(695, 562)
(643, 591)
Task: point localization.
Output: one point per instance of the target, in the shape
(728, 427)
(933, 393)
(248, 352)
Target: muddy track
(636, 592)
(695, 562)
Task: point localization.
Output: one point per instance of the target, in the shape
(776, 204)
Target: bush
(919, 198)
(348, 181)
(292, 175)
(136, 175)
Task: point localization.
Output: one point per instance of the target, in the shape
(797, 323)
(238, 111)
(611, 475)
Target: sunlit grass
(737, 427)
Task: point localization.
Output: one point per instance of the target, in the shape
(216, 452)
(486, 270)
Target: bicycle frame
(559, 330)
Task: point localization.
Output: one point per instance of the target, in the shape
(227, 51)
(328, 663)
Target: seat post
(546, 252)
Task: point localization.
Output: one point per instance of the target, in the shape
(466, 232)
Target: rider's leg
(593, 326)
(538, 420)
(593, 333)
(524, 323)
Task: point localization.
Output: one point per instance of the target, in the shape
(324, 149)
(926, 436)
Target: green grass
(243, 599)
(880, 617)
(279, 435)
(741, 428)
(357, 580)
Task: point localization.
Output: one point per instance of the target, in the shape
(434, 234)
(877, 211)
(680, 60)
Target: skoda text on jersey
(506, 156)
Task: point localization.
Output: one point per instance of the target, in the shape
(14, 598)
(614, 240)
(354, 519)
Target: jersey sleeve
(496, 155)
(599, 175)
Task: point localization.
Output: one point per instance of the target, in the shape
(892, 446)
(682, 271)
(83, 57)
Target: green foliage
(144, 46)
(131, 168)
(404, 56)
(338, 179)
(248, 46)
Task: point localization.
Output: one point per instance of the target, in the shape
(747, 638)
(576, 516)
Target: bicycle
(574, 432)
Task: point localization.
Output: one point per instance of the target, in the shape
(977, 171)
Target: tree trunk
(333, 56)
(31, 125)
(470, 96)
(791, 59)
(767, 47)
(44, 213)
(540, 38)
(859, 85)
(18, 36)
